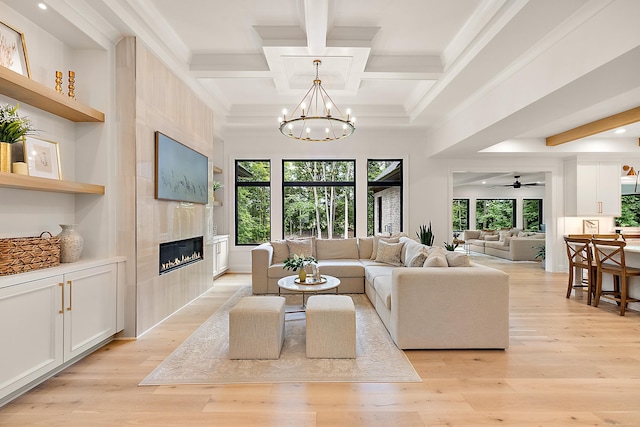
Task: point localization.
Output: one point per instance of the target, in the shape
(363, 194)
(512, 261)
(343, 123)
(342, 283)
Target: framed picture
(181, 172)
(590, 226)
(13, 50)
(43, 158)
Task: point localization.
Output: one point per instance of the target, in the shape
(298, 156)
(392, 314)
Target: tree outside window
(493, 214)
(319, 198)
(460, 214)
(630, 214)
(532, 214)
(253, 201)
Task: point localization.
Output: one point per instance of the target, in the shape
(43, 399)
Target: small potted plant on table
(298, 262)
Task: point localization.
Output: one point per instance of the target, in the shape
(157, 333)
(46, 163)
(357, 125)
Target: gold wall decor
(59, 81)
(72, 84)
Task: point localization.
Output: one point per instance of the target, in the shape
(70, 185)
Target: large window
(384, 196)
(253, 201)
(460, 214)
(319, 198)
(630, 211)
(532, 214)
(492, 214)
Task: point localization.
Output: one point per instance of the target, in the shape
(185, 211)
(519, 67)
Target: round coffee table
(289, 284)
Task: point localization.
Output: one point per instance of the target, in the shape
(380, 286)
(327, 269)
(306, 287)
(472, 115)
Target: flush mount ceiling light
(317, 118)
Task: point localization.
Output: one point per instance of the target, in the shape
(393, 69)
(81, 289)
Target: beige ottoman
(331, 327)
(256, 328)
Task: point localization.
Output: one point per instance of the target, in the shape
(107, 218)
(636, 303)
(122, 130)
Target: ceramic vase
(70, 243)
(302, 275)
(5, 157)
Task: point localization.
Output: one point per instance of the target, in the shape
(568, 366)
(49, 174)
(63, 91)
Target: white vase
(70, 243)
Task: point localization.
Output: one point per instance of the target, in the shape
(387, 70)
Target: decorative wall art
(43, 158)
(181, 172)
(590, 226)
(13, 50)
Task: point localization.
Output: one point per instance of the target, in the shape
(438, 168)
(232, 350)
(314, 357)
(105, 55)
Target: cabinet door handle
(62, 305)
(70, 294)
(599, 207)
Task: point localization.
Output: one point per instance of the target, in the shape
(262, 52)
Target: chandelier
(314, 119)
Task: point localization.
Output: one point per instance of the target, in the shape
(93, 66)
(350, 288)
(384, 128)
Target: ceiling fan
(518, 184)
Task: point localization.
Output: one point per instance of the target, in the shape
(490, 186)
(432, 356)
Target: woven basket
(21, 254)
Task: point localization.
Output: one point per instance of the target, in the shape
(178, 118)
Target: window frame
(311, 184)
(388, 183)
(513, 210)
(238, 184)
(540, 212)
(467, 202)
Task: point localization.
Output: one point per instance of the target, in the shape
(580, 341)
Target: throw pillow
(457, 259)
(365, 247)
(436, 259)
(419, 259)
(377, 239)
(300, 247)
(504, 234)
(389, 253)
(491, 237)
(506, 241)
(280, 251)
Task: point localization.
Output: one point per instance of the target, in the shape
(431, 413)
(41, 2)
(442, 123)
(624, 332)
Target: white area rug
(203, 357)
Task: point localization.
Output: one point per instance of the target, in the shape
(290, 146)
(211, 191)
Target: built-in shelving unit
(24, 182)
(217, 170)
(37, 95)
(30, 92)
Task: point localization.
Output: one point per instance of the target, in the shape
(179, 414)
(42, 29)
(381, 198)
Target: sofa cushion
(341, 267)
(382, 285)
(373, 271)
(496, 245)
(485, 233)
(504, 234)
(491, 237)
(301, 247)
(280, 251)
(337, 248)
(376, 240)
(365, 247)
(389, 253)
(471, 234)
(457, 259)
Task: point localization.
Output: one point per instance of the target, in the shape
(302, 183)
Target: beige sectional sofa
(457, 305)
(512, 244)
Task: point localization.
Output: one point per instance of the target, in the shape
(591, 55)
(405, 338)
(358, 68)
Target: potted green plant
(13, 128)
(298, 262)
(425, 235)
(215, 185)
(542, 253)
(451, 246)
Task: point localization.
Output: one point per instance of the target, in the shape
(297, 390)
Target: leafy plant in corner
(425, 235)
(542, 252)
(298, 261)
(450, 246)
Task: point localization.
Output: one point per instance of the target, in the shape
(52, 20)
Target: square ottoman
(331, 327)
(256, 328)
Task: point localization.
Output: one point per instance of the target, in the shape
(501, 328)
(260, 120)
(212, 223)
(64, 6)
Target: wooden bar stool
(610, 259)
(580, 256)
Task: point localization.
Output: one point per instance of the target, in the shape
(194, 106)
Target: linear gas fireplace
(180, 253)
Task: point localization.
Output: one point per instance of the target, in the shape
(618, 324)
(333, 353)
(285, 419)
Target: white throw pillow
(389, 253)
(377, 239)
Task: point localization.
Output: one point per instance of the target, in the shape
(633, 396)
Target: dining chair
(610, 259)
(630, 236)
(580, 257)
(613, 236)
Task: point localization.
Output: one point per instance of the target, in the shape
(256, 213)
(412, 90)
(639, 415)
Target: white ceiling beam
(351, 36)
(224, 65)
(316, 15)
(284, 36)
(403, 68)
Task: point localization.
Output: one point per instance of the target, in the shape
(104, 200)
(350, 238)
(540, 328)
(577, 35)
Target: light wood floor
(568, 364)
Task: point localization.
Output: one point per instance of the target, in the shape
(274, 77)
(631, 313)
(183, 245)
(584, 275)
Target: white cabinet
(52, 316)
(31, 315)
(220, 254)
(592, 189)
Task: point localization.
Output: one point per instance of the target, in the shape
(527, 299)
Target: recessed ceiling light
(42, 6)
(484, 182)
(621, 130)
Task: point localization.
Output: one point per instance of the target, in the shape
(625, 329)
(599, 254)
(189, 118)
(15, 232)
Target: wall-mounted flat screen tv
(181, 172)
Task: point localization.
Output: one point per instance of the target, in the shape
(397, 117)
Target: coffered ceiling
(419, 64)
